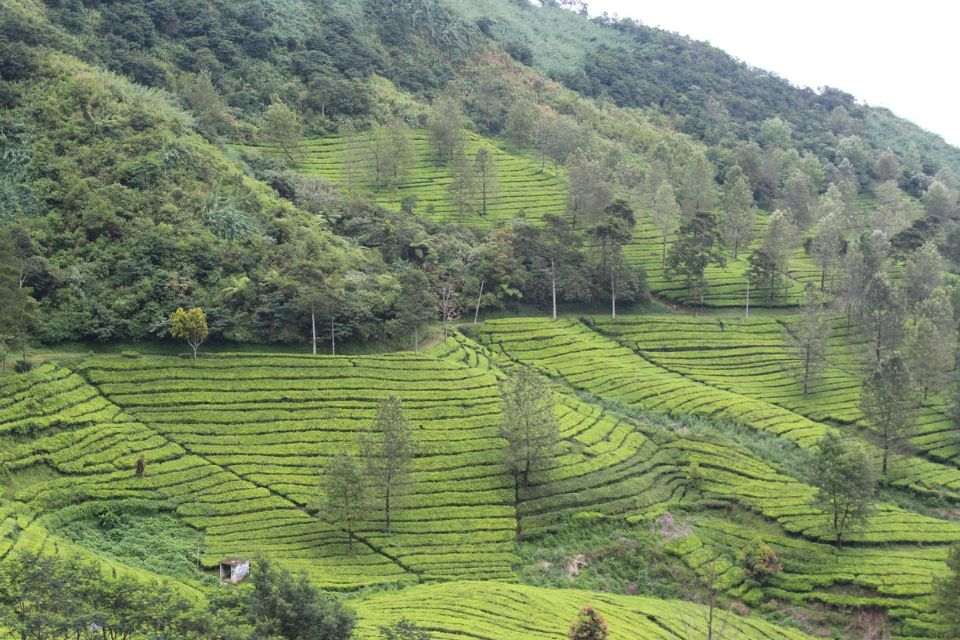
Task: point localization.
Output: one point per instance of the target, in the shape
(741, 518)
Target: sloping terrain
(233, 446)
(515, 612)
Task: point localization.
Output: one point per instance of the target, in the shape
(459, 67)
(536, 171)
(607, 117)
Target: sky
(899, 55)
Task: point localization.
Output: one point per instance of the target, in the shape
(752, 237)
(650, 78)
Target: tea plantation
(527, 190)
(692, 427)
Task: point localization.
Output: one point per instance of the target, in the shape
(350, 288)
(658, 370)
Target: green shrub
(760, 561)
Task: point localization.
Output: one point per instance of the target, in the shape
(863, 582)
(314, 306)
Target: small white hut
(234, 570)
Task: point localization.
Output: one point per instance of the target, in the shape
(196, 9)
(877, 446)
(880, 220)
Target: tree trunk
(386, 509)
(476, 315)
(416, 340)
(313, 329)
(876, 347)
(333, 337)
(613, 294)
(553, 286)
(516, 501)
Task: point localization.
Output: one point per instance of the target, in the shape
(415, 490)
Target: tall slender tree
(344, 494)
(388, 450)
(488, 184)
(809, 338)
(529, 426)
(888, 403)
(737, 217)
(666, 215)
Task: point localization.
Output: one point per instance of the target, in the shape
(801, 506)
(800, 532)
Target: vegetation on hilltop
(309, 172)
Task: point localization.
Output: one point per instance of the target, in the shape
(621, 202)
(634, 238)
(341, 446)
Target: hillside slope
(636, 65)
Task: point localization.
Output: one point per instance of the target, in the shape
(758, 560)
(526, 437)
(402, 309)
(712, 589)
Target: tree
(737, 216)
(17, 307)
(922, 274)
(940, 201)
(47, 597)
(947, 593)
(309, 270)
(344, 494)
(590, 191)
(665, 215)
(403, 630)
(554, 250)
(882, 314)
(463, 187)
(887, 401)
(388, 450)
(589, 625)
(416, 306)
(887, 166)
(445, 128)
(611, 232)
(529, 426)
(189, 325)
(765, 276)
(776, 133)
(485, 170)
(205, 102)
(283, 606)
(930, 341)
(391, 154)
(826, 247)
(799, 197)
(697, 247)
(808, 339)
(846, 483)
(769, 263)
(697, 192)
(281, 126)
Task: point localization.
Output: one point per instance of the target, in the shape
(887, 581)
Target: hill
(717, 279)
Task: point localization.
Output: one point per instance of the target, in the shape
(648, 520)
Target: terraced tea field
(234, 446)
(525, 190)
(489, 611)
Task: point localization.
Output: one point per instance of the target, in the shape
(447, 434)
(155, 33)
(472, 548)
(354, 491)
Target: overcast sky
(899, 55)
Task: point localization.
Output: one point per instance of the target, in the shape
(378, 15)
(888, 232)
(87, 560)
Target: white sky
(899, 55)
